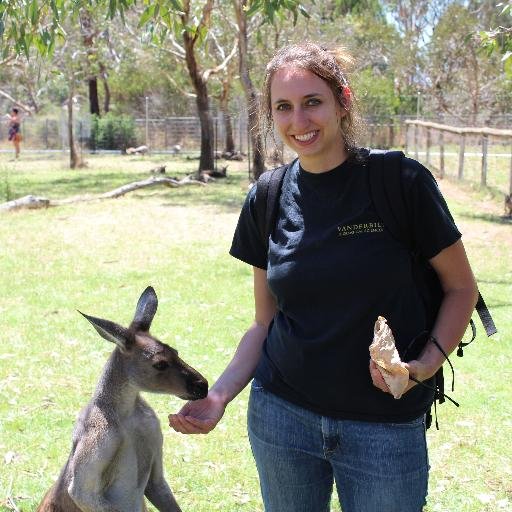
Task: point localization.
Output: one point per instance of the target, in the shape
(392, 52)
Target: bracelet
(433, 339)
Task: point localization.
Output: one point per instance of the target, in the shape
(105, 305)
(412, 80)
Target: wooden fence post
(416, 129)
(483, 177)
(429, 143)
(462, 149)
(510, 177)
(441, 154)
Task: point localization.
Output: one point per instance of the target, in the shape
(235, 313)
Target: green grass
(98, 257)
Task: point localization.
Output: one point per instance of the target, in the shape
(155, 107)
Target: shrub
(112, 132)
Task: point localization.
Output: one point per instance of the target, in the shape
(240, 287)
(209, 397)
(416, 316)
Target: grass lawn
(98, 256)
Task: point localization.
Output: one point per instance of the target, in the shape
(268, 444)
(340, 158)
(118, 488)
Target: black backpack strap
(388, 196)
(487, 322)
(485, 316)
(386, 189)
(268, 190)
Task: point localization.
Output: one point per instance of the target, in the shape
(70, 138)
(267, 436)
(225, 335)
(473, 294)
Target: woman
(14, 130)
(318, 411)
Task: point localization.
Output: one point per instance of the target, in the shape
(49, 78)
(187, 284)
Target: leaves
(269, 9)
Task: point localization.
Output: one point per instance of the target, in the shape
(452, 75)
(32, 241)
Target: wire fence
(164, 134)
(485, 159)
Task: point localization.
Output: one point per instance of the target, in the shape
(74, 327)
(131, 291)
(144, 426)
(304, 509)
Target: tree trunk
(251, 96)
(106, 100)
(74, 159)
(94, 104)
(206, 160)
(87, 30)
(229, 142)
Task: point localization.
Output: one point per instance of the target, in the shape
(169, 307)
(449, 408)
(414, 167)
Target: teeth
(305, 137)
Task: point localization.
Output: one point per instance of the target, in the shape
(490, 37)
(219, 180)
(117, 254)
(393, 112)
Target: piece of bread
(385, 355)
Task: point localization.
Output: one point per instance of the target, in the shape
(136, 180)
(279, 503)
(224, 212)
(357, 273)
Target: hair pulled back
(332, 65)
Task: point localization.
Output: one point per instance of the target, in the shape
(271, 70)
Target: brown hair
(332, 66)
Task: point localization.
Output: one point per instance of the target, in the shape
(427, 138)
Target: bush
(112, 132)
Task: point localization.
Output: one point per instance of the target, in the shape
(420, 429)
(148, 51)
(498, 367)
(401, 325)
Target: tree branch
(205, 19)
(34, 202)
(180, 89)
(222, 65)
(24, 107)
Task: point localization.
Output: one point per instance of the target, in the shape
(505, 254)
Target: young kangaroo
(116, 454)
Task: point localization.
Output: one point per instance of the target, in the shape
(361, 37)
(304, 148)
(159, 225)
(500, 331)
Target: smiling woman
(319, 412)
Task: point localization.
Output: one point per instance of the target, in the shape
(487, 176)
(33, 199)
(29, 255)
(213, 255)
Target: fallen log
(31, 201)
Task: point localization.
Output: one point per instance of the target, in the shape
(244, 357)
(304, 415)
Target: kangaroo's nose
(198, 388)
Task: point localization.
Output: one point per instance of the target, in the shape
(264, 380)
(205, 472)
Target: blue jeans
(377, 467)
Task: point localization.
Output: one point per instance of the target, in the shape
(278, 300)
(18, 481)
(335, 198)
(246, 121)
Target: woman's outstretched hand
(199, 416)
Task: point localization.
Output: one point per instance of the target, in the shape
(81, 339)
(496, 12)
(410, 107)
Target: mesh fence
(164, 134)
(485, 160)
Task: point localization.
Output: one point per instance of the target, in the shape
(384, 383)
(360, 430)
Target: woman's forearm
(241, 368)
(451, 323)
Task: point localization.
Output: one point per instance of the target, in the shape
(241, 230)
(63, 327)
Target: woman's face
(307, 117)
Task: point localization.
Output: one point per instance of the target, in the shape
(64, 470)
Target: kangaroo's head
(150, 364)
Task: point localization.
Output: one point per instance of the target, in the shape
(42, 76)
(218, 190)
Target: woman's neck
(323, 163)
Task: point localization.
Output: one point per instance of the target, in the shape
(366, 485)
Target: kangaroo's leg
(157, 489)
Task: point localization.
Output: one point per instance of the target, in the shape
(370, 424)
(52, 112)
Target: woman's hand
(417, 369)
(199, 416)
(377, 378)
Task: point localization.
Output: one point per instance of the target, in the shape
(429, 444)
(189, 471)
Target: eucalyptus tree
(268, 11)
(465, 82)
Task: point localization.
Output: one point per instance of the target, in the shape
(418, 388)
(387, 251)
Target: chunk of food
(384, 354)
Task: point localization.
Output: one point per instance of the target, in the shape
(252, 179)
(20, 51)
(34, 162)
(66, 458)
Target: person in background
(319, 411)
(14, 130)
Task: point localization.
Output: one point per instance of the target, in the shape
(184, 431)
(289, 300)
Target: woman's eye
(282, 106)
(161, 365)
(313, 102)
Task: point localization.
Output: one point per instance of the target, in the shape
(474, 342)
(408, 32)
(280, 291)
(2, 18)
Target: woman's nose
(299, 119)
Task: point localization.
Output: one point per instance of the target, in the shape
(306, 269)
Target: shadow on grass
(495, 281)
(487, 217)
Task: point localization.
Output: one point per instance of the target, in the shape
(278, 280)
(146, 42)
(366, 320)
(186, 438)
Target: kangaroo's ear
(146, 309)
(110, 331)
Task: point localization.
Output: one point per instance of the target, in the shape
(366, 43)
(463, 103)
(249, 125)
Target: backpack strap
(386, 188)
(268, 190)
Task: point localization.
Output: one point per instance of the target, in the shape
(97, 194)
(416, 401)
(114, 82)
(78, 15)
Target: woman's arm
(460, 296)
(201, 416)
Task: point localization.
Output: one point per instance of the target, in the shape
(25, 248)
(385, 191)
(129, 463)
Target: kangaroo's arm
(157, 489)
(94, 452)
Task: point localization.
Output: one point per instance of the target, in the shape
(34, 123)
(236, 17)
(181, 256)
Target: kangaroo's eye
(161, 366)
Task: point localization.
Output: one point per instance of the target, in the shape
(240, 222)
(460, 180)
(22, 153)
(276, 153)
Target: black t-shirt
(333, 269)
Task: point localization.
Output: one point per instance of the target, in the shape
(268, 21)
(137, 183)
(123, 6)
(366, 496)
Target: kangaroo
(116, 454)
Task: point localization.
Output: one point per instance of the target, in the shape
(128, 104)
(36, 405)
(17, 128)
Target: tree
(500, 37)
(464, 82)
